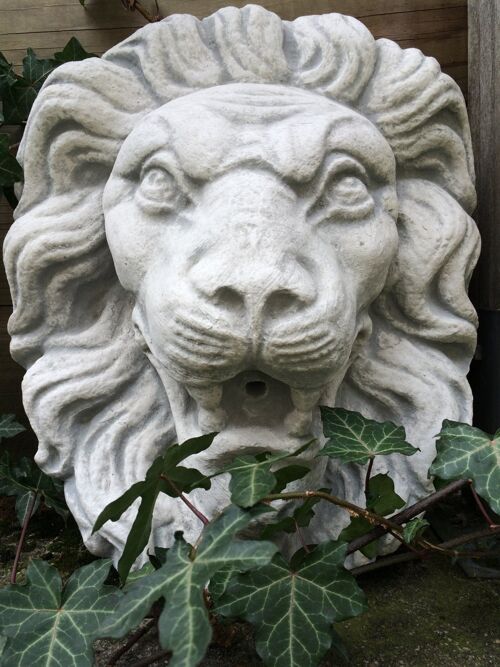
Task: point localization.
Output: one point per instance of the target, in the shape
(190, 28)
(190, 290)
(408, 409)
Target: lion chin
(225, 236)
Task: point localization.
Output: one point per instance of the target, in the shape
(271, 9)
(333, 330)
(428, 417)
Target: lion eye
(346, 197)
(159, 189)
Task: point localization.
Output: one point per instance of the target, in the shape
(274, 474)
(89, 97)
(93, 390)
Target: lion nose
(257, 291)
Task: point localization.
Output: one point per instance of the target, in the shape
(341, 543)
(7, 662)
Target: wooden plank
(484, 112)
(286, 8)
(412, 24)
(72, 16)
(97, 38)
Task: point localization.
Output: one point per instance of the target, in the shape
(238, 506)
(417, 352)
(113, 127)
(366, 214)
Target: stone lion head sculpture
(224, 224)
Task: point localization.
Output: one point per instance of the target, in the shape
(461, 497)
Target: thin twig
(471, 537)
(388, 524)
(482, 508)
(407, 514)
(132, 640)
(152, 658)
(449, 544)
(29, 512)
(133, 5)
(384, 562)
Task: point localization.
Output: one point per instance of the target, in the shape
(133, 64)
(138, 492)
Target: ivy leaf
(301, 518)
(72, 51)
(8, 425)
(184, 625)
(358, 527)
(381, 497)
(49, 626)
(288, 474)
(25, 480)
(10, 172)
(353, 438)
(414, 529)
(293, 609)
(36, 70)
(7, 75)
(18, 95)
(467, 452)
(251, 476)
(164, 476)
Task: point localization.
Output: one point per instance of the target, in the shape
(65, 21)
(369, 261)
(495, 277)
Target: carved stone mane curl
(71, 326)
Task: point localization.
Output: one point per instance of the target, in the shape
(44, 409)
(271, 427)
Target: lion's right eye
(159, 190)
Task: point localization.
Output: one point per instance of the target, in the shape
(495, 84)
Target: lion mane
(94, 400)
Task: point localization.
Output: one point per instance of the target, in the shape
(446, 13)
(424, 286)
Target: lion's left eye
(158, 188)
(346, 197)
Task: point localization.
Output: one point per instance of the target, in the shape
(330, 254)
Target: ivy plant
(292, 601)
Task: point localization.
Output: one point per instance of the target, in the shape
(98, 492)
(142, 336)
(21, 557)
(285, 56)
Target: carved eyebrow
(333, 164)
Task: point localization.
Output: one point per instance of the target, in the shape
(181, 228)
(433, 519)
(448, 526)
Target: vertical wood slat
(484, 115)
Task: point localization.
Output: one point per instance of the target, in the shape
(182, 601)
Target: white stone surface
(224, 224)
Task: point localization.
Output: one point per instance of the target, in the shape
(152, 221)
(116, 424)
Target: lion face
(207, 240)
(254, 225)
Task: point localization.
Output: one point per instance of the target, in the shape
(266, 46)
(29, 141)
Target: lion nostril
(229, 298)
(284, 301)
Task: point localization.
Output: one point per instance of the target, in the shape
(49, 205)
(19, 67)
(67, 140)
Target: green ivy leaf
(414, 529)
(293, 609)
(353, 438)
(251, 476)
(19, 94)
(7, 75)
(72, 51)
(358, 527)
(50, 627)
(381, 497)
(301, 517)
(289, 474)
(8, 425)
(36, 70)
(164, 476)
(466, 452)
(10, 172)
(25, 480)
(184, 625)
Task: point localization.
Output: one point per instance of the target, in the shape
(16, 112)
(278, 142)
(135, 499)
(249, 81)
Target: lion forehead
(289, 130)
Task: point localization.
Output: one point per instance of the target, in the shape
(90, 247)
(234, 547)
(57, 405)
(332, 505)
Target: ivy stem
(353, 510)
(29, 512)
(132, 640)
(368, 474)
(133, 5)
(449, 544)
(481, 507)
(407, 514)
(388, 524)
(186, 501)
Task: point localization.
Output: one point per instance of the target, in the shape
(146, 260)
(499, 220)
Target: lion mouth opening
(251, 412)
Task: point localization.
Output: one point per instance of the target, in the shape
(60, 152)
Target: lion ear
(422, 114)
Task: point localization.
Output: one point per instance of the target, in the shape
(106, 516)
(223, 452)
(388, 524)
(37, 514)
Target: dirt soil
(421, 614)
